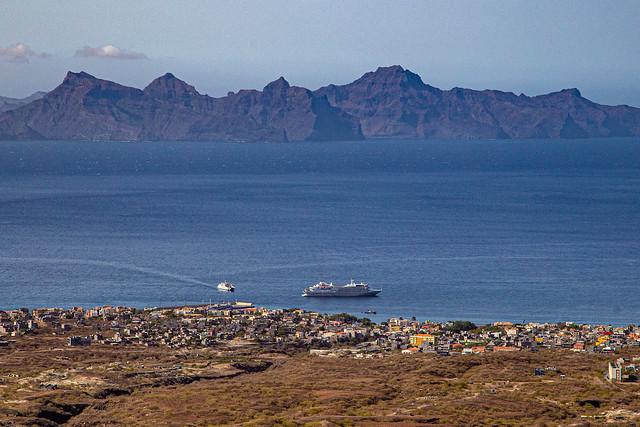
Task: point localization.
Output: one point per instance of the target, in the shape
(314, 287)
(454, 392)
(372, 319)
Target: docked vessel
(351, 289)
(226, 287)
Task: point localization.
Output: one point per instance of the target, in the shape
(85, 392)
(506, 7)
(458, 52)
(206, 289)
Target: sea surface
(530, 230)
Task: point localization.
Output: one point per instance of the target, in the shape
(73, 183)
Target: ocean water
(479, 230)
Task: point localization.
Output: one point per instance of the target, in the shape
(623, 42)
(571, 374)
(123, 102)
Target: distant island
(391, 102)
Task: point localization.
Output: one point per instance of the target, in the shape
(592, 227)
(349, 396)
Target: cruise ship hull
(371, 293)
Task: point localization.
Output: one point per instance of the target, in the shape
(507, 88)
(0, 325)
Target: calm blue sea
(482, 230)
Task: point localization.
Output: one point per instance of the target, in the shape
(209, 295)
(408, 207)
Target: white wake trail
(116, 265)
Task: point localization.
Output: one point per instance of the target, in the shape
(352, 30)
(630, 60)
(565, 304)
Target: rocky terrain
(389, 102)
(47, 383)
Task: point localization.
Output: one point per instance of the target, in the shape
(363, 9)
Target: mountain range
(391, 102)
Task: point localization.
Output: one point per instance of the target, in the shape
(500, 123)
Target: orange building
(418, 339)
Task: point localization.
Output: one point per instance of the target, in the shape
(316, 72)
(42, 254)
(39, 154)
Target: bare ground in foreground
(43, 382)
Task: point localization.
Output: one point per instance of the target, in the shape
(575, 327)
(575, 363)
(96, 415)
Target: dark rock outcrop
(389, 102)
(253, 366)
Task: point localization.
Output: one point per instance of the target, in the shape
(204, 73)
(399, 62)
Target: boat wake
(116, 265)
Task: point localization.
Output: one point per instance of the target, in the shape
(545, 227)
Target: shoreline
(375, 318)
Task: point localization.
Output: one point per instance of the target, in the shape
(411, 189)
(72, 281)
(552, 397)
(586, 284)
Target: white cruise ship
(351, 289)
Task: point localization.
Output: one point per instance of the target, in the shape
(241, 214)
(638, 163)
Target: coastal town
(123, 365)
(325, 335)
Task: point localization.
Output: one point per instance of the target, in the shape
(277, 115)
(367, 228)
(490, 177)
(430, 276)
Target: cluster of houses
(467, 338)
(321, 334)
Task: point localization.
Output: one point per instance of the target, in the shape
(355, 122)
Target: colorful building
(418, 339)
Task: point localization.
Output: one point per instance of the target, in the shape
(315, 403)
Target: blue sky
(521, 46)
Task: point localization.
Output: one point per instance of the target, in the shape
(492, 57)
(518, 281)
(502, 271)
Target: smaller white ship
(226, 287)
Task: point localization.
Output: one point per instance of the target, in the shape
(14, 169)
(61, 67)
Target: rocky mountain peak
(393, 75)
(72, 77)
(278, 85)
(169, 86)
(572, 92)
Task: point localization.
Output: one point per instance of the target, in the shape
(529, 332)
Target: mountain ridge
(390, 102)
(8, 103)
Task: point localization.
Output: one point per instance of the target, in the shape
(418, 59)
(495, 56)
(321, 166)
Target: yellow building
(418, 339)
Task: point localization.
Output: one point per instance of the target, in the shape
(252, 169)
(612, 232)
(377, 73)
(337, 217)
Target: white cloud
(19, 53)
(109, 51)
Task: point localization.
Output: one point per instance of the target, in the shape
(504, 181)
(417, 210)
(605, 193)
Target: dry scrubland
(43, 382)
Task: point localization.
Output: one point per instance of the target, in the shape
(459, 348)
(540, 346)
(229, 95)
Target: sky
(530, 47)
